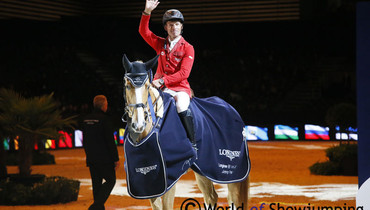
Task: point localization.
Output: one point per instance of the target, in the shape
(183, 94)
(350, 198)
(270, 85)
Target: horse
(147, 110)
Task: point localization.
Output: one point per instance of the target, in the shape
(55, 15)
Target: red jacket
(175, 66)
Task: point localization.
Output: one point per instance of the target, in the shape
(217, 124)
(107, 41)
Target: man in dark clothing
(101, 152)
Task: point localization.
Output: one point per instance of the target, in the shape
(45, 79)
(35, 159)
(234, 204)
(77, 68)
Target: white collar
(173, 42)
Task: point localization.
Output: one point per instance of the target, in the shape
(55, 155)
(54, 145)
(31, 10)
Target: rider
(175, 61)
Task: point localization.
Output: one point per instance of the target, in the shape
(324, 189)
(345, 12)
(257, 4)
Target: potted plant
(31, 119)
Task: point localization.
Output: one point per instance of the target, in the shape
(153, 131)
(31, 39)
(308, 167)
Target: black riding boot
(188, 123)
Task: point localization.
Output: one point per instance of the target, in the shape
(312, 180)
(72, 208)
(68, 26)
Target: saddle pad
(154, 166)
(223, 152)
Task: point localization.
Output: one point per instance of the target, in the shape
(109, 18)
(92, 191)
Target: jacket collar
(181, 41)
(96, 110)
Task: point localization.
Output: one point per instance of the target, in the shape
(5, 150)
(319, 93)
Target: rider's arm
(153, 40)
(185, 68)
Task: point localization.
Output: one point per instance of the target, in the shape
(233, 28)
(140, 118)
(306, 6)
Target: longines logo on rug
(145, 170)
(190, 204)
(228, 153)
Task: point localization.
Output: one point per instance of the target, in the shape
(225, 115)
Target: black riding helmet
(172, 14)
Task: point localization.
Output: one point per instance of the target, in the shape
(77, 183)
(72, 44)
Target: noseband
(135, 106)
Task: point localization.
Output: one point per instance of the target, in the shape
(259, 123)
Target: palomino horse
(169, 154)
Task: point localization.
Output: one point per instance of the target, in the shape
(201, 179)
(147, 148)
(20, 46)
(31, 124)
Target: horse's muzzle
(138, 128)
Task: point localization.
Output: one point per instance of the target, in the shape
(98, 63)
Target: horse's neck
(158, 110)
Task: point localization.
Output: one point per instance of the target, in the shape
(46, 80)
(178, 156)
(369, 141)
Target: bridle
(128, 113)
(138, 74)
(147, 106)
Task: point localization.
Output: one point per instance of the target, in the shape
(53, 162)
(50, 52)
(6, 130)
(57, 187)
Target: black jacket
(98, 139)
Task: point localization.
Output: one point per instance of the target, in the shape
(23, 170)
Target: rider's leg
(182, 105)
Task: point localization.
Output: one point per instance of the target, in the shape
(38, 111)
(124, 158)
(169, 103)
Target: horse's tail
(244, 192)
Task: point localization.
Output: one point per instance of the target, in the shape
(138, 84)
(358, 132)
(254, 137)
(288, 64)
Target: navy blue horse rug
(154, 166)
(223, 152)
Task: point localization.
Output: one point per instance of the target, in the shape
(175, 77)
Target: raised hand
(150, 5)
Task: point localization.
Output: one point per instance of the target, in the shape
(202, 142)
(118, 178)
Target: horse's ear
(126, 63)
(149, 64)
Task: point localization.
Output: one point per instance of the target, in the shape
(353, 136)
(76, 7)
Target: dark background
(271, 70)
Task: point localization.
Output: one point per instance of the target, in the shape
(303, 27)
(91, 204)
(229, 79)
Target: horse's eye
(128, 87)
(146, 115)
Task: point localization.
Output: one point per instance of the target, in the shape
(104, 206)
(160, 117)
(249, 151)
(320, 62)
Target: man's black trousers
(101, 191)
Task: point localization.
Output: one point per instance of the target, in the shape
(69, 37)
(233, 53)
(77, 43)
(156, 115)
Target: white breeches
(182, 99)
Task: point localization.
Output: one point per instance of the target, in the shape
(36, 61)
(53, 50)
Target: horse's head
(136, 91)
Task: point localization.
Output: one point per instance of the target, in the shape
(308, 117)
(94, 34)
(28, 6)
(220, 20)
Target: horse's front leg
(206, 186)
(238, 193)
(169, 198)
(165, 202)
(156, 203)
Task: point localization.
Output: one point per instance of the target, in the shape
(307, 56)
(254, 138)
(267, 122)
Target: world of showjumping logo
(191, 203)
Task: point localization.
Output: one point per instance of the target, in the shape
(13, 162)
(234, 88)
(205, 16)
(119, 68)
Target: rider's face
(173, 29)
